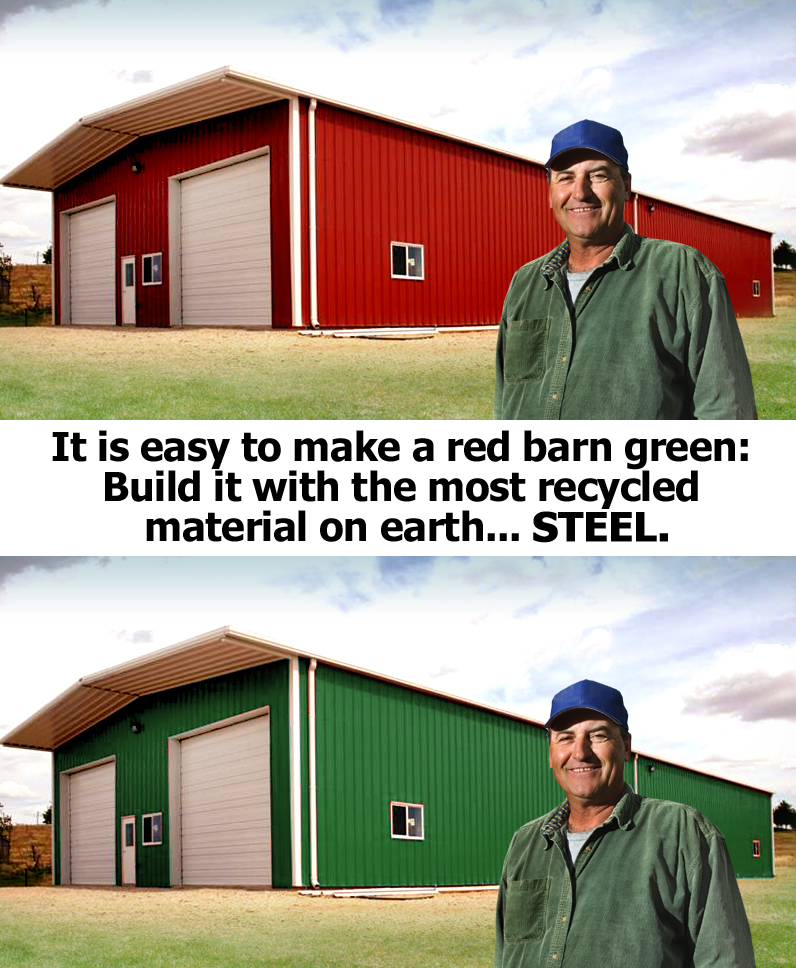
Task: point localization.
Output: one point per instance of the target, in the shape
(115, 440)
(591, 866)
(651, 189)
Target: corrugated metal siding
(479, 216)
(740, 813)
(142, 200)
(479, 777)
(741, 253)
(142, 760)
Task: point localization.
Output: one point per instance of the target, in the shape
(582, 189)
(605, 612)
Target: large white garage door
(225, 808)
(92, 825)
(225, 226)
(92, 265)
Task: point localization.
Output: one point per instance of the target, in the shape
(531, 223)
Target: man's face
(587, 756)
(587, 195)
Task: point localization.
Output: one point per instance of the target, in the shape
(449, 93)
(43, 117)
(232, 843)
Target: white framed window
(151, 829)
(152, 269)
(755, 287)
(406, 260)
(755, 848)
(406, 821)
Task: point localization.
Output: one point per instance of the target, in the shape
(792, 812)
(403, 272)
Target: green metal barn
(229, 759)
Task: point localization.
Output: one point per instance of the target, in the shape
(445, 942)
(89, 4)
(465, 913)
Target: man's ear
(628, 190)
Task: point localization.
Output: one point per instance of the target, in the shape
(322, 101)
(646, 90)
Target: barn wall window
(152, 829)
(755, 848)
(406, 821)
(152, 269)
(755, 287)
(406, 260)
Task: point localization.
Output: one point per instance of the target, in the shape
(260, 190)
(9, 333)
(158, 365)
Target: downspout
(314, 882)
(57, 820)
(312, 215)
(635, 229)
(295, 769)
(635, 772)
(56, 316)
(294, 161)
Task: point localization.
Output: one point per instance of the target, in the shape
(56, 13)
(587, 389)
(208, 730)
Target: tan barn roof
(222, 91)
(216, 653)
(96, 136)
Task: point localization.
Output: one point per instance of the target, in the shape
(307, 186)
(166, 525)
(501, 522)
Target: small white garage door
(92, 825)
(225, 246)
(92, 266)
(225, 806)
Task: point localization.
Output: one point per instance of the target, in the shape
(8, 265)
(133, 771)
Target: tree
(47, 816)
(784, 815)
(5, 275)
(5, 825)
(785, 256)
(47, 257)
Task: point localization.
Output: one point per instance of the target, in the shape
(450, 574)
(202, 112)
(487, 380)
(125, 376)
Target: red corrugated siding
(142, 200)
(479, 216)
(741, 253)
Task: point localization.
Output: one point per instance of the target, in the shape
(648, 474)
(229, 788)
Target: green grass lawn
(113, 374)
(105, 928)
(217, 374)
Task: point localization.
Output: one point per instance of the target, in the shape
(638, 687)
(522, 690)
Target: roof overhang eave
(97, 136)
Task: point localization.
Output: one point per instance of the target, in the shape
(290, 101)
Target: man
(611, 879)
(611, 325)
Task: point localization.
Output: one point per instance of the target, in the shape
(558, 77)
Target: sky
(703, 649)
(704, 91)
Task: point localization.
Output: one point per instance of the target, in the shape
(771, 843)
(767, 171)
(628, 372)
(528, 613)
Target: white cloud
(15, 791)
(15, 230)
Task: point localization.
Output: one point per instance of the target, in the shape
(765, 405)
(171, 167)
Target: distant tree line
(784, 256)
(784, 815)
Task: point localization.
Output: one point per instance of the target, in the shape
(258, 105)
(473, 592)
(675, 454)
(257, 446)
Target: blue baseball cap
(588, 694)
(590, 134)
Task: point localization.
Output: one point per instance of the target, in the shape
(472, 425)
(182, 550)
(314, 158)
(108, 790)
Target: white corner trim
(295, 770)
(294, 161)
(313, 774)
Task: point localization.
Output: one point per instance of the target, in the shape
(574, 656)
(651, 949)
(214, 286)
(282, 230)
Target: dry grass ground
(90, 928)
(106, 374)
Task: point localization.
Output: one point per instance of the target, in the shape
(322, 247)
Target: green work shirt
(653, 887)
(652, 336)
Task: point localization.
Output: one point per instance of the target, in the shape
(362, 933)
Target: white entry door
(128, 290)
(128, 850)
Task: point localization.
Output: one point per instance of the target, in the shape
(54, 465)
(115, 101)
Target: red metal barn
(230, 200)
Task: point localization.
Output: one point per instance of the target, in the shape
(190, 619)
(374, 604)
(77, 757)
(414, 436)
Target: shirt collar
(623, 814)
(622, 253)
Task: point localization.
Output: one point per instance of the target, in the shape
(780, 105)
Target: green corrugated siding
(478, 775)
(741, 814)
(142, 759)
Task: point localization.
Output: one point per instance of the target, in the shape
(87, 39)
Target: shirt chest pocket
(525, 914)
(526, 350)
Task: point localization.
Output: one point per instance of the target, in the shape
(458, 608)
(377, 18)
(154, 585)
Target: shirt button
(554, 957)
(588, 288)
(563, 919)
(588, 848)
(555, 396)
(563, 359)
